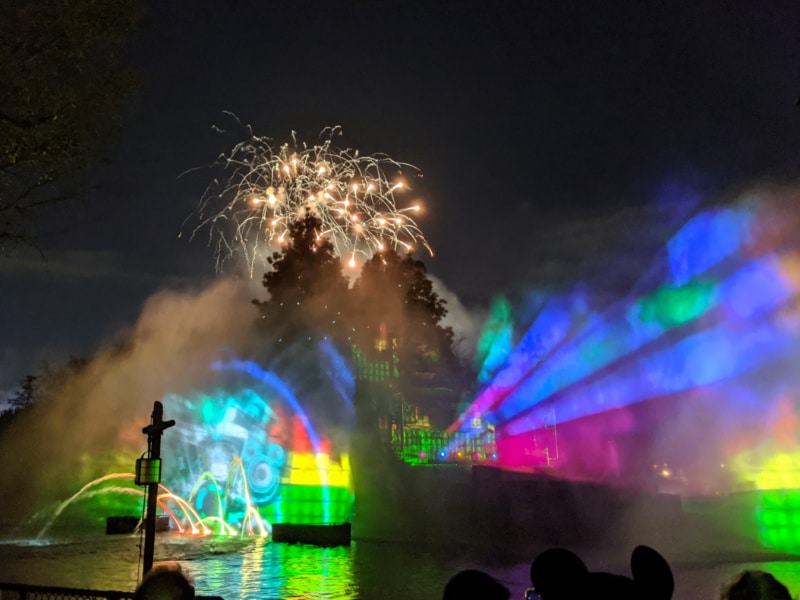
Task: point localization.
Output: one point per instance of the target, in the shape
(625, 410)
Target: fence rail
(18, 591)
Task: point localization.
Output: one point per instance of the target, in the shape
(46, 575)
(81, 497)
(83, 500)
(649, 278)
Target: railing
(18, 591)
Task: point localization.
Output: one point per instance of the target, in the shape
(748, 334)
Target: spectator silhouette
(609, 585)
(558, 574)
(472, 584)
(755, 585)
(652, 574)
(164, 583)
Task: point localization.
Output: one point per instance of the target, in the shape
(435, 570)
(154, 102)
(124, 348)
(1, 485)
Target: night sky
(560, 142)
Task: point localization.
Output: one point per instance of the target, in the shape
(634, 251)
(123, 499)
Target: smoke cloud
(102, 407)
(466, 323)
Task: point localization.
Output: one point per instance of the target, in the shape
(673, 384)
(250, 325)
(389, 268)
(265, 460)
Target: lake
(239, 569)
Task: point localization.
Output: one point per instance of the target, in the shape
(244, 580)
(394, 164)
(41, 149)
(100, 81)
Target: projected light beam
(721, 313)
(628, 341)
(252, 369)
(681, 367)
(704, 242)
(550, 329)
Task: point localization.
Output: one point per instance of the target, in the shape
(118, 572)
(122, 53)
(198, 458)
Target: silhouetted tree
(37, 387)
(61, 83)
(307, 291)
(19, 401)
(395, 295)
(25, 394)
(391, 318)
(400, 315)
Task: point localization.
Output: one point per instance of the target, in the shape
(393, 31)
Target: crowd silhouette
(472, 583)
(560, 574)
(755, 585)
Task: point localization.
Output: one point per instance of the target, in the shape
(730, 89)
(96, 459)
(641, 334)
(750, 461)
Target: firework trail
(266, 187)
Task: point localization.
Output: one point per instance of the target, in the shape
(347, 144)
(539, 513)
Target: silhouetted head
(652, 574)
(608, 585)
(164, 583)
(755, 585)
(557, 574)
(472, 584)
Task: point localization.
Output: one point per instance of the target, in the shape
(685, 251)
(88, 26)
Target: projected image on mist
(688, 384)
(247, 455)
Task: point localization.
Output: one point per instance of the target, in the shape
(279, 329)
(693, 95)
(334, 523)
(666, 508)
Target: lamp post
(148, 472)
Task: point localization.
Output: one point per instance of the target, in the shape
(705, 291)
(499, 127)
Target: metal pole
(153, 431)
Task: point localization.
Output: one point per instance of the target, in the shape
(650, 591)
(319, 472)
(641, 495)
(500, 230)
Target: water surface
(239, 569)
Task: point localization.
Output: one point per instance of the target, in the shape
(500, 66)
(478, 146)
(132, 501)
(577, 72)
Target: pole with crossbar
(153, 431)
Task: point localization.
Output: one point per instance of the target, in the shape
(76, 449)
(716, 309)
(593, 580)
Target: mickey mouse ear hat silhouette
(651, 574)
(557, 573)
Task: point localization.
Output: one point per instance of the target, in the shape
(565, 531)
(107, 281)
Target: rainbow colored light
(239, 459)
(252, 457)
(675, 383)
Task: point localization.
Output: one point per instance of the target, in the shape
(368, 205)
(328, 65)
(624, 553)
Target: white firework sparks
(266, 187)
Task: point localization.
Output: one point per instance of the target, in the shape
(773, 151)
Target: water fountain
(241, 459)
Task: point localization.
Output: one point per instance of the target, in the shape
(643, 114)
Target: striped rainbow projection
(691, 383)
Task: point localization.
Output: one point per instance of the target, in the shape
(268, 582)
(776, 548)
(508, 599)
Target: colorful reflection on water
(267, 570)
(256, 568)
(235, 568)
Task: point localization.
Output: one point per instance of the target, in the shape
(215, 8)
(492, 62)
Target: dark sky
(557, 140)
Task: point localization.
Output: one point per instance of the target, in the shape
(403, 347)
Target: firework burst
(266, 187)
